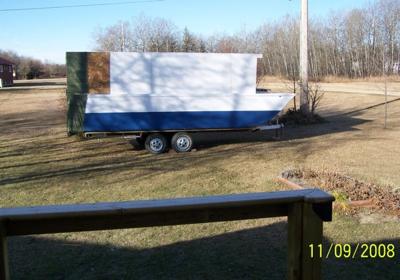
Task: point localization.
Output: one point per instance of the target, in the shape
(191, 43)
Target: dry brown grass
(371, 86)
(380, 79)
(336, 79)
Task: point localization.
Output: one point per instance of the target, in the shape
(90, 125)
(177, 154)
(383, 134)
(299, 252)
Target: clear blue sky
(48, 34)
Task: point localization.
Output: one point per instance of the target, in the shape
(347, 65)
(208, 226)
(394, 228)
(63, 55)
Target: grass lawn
(39, 165)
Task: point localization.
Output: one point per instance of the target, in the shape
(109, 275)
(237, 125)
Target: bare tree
(31, 68)
(189, 42)
(117, 37)
(345, 44)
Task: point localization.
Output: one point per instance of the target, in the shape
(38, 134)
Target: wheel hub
(156, 144)
(183, 143)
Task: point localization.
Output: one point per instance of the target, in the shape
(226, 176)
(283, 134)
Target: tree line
(30, 68)
(358, 43)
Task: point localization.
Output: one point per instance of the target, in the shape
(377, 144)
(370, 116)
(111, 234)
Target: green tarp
(77, 89)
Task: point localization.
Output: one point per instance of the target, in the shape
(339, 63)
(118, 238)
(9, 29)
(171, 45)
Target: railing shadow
(256, 253)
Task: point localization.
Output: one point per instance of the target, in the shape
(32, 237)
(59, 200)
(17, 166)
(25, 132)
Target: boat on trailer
(160, 97)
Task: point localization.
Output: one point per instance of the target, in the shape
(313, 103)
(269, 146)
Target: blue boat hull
(159, 121)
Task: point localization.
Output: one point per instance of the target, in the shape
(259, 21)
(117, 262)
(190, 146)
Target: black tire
(137, 143)
(156, 143)
(182, 142)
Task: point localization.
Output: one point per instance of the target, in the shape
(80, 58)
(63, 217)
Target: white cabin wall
(183, 73)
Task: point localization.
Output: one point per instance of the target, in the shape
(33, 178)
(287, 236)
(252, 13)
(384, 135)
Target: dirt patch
(346, 188)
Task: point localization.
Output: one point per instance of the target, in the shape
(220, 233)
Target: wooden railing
(306, 210)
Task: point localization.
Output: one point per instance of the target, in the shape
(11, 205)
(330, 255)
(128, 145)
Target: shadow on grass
(150, 165)
(69, 157)
(336, 122)
(90, 158)
(333, 124)
(258, 253)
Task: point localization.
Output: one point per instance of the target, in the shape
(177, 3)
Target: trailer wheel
(156, 143)
(182, 142)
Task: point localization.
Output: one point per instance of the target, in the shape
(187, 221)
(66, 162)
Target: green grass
(39, 165)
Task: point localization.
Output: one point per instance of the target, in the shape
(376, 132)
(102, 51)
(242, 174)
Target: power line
(79, 5)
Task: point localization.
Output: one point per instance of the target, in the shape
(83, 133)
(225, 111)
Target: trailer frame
(140, 137)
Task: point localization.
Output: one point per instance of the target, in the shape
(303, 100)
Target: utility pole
(304, 107)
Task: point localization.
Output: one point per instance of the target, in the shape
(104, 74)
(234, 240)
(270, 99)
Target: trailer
(161, 99)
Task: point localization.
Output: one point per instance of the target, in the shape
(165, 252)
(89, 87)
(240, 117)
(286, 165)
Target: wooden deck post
(304, 228)
(312, 234)
(4, 270)
(295, 220)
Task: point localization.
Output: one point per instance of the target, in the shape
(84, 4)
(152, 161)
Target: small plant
(339, 196)
(297, 117)
(341, 201)
(315, 95)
